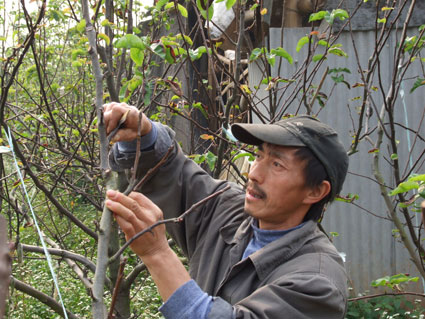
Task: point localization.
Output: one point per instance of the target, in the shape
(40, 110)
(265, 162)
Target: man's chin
(249, 210)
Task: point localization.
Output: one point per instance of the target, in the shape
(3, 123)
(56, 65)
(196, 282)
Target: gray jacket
(300, 275)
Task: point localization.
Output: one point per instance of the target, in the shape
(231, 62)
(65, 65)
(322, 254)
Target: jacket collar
(281, 250)
(275, 253)
(235, 232)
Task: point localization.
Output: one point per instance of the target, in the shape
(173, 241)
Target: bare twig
(387, 294)
(153, 170)
(116, 288)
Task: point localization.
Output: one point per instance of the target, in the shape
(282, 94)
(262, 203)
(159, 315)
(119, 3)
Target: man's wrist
(147, 141)
(167, 271)
(158, 256)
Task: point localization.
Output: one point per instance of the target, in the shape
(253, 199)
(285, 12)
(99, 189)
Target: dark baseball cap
(302, 131)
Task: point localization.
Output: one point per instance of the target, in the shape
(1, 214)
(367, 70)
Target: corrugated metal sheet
(368, 242)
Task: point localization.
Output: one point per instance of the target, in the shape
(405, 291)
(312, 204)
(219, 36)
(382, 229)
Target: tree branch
(40, 296)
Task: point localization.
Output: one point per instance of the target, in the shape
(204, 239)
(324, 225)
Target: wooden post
(5, 266)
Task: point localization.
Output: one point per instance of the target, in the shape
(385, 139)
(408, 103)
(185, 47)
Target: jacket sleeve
(301, 296)
(175, 187)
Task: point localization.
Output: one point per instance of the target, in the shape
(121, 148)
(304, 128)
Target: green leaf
(404, 187)
(301, 42)
(123, 92)
(383, 20)
(76, 53)
(338, 79)
(336, 50)
(256, 53)
(130, 41)
(339, 70)
(230, 3)
(104, 37)
(186, 38)
(77, 64)
(419, 82)
(160, 4)
(282, 53)
(211, 159)
(158, 49)
(348, 199)
(169, 6)
(340, 14)
(81, 26)
(198, 105)
(105, 23)
(202, 7)
(183, 10)
(318, 16)
(317, 57)
(271, 58)
(134, 83)
(417, 178)
(198, 158)
(197, 53)
(254, 6)
(57, 15)
(380, 281)
(137, 56)
(169, 56)
(400, 278)
(393, 280)
(148, 92)
(250, 156)
(394, 156)
(266, 80)
(323, 43)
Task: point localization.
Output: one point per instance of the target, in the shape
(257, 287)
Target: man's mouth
(255, 192)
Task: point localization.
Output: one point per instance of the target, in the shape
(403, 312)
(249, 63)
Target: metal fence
(371, 246)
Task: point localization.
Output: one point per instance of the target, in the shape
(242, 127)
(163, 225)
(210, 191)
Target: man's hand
(135, 213)
(112, 114)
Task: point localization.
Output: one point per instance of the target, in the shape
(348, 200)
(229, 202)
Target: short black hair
(314, 175)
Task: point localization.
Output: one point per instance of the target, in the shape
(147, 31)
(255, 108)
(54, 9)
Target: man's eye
(277, 164)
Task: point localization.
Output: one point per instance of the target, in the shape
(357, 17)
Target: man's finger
(145, 203)
(127, 207)
(126, 227)
(112, 116)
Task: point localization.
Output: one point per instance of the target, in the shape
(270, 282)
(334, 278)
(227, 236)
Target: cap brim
(256, 134)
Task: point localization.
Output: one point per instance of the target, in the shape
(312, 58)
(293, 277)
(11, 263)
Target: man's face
(276, 188)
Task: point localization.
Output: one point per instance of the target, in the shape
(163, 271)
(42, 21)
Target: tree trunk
(122, 305)
(5, 266)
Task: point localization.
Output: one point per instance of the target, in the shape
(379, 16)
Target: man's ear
(317, 193)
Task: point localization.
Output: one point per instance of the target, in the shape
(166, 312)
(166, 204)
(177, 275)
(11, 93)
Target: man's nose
(256, 172)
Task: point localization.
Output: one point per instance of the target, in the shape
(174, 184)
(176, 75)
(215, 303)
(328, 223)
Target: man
(252, 254)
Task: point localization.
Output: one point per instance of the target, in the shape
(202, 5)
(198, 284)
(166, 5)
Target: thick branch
(99, 309)
(42, 297)
(62, 253)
